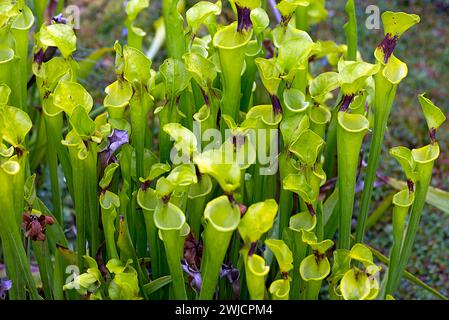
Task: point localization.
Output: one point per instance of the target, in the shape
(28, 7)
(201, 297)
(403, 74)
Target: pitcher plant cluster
(228, 172)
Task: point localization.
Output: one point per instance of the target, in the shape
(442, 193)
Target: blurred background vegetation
(424, 48)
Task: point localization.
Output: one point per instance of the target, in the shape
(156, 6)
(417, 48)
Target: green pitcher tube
(350, 133)
(383, 102)
(176, 41)
(140, 106)
(20, 29)
(108, 203)
(147, 200)
(255, 272)
(299, 223)
(222, 219)
(17, 264)
(402, 201)
(424, 158)
(231, 45)
(53, 127)
(169, 219)
(6, 61)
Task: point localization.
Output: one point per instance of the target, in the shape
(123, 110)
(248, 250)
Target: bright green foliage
(226, 169)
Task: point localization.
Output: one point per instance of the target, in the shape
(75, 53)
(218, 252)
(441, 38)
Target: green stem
(217, 236)
(385, 93)
(39, 9)
(422, 186)
(302, 18)
(176, 42)
(53, 126)
(140, 106)
(350, 132)
(108, 218)
(20, 29)
(154, 243)
(91, 197)
(299, 253)
(313, 289)
(172, 239)
(41, 251)
(351, 31)
(80, 205)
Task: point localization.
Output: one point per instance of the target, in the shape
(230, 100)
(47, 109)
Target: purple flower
(117, 139)
(195, 276)
(230, 273)
(233, 276)
(5, 286)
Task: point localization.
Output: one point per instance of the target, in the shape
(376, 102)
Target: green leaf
(184, 140)
(353, 75)
(58, 35)
(280, 289)
(303, 221)
(176, 77)
(282, 253)
(288, 7)
(5, 92)
(157, 170)
(270, 73)
(297, 183)
(322, 247)
(258, 220)
(119, 94)
(355, 285)
(435, 197)
(313, 269)
(157, 284)
(134, 7)
(295, 100)
(426, 154)
(323, 84)
(307, 147)
(183, 175)
(11, 167)
(256, 265)
(213, 163)
(292, 59)
(405, 158)
(200, 12)
(14, 125)
(260, 20)
(147, 199)
(109, 199)
(434, 116)
(265, 114)
(361, 253)
(82, 123)
(202, 70)
(169, 217)
(108, 175)
(222, 214)
(125, 284)
(202, 188)
(69, 95)
(137, 67)
(396, 23)
(395, 70)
